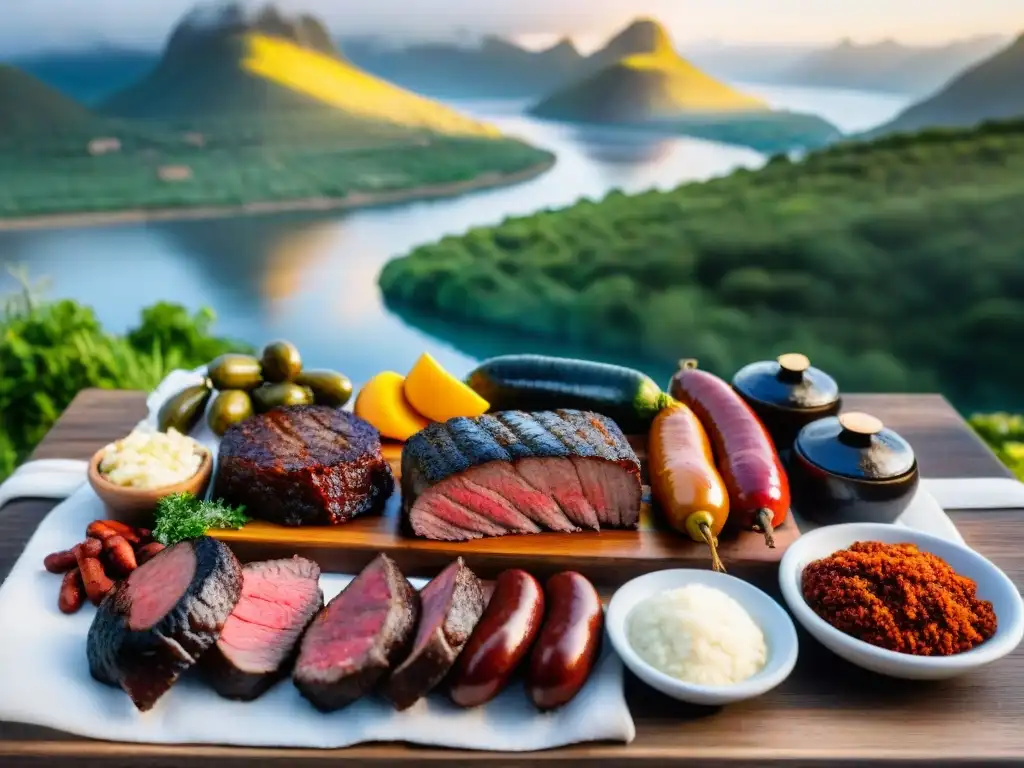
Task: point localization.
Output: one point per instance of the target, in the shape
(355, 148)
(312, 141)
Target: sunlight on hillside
(685, 87)
(341, 85)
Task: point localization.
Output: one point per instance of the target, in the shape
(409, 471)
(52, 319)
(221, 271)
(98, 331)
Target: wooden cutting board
(607, 557)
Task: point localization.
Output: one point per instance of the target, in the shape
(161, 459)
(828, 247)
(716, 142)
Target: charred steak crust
(361, 634)
(516, 472)
(146, 662)
(304, 465)
(452, 604)
(221, 664)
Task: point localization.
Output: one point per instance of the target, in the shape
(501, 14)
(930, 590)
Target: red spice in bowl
(897, 597)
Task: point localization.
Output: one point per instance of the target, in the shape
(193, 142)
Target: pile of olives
(246, 385)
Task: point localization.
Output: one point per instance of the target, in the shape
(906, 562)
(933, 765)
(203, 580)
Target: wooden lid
(794, 362)
(860, 423)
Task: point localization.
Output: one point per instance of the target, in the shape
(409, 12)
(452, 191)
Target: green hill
(990, 90)
(252, 110)
(638, 80)
(259, 81)
(29, 109)
(896, 265)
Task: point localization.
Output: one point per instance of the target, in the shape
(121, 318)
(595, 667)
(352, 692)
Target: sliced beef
(156, 623)
(452, 604)
(261, 636)
(358, 637)
(516, 472)
(304, 465)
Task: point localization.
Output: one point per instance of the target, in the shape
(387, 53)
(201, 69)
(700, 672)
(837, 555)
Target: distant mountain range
(638, 80)
(889, 65)
(495, 69)
(638, 76)
(264, 69)
(91, 74)
(990, 90)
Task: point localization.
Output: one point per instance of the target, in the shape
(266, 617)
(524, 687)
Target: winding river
(311, 278)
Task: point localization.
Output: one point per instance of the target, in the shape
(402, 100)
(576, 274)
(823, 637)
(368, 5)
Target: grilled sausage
(501, 639)
(569, 641)
(745, 455)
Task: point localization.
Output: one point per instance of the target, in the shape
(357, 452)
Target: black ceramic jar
(786, 394)
(851, 469)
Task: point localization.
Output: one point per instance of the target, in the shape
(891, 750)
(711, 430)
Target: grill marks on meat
(304, 465)
(156, 623)
(361, 634)
(452, 604)
(260, 638)
(515, 472)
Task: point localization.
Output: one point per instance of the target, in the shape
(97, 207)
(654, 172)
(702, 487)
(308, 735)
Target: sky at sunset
(30, 24)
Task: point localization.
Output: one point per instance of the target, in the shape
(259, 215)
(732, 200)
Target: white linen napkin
(976, 492)
(45, 681)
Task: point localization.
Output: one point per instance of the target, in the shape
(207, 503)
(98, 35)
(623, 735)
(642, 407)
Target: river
(311, 278)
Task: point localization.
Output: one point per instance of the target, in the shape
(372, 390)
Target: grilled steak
(358, 637)
(451, 605)
(303, 465)
(261, 636)
(157, 622)
(515, 472)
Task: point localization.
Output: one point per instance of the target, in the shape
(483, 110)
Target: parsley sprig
(182, 516)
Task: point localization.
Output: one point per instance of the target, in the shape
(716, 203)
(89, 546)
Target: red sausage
(569, 641)
(747, 459)
(500, 640)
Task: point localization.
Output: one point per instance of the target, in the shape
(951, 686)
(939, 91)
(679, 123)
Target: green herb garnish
(182, 516)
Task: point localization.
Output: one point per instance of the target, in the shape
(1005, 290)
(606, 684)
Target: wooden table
(827, 711)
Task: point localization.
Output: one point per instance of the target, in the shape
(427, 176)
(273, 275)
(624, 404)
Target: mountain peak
(214, 21)
(643, 35)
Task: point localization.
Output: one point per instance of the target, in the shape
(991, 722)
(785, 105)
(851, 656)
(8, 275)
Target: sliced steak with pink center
(361, 634)
(156, 623)
(260, 638)
(515, 472)
(452, 603)
(617, 494)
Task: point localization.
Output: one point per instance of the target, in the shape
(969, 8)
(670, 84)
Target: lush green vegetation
(229, 173)
(897, 265)
(1005, 435)
(51, 350)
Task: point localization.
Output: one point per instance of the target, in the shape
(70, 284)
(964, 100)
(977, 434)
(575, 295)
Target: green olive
(183, 411)
(229, 407)
(281, 361)
(281, 394)
(329, 387)
(231, 371)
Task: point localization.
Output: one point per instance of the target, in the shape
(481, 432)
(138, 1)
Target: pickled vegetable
(281, 361)
(183, 410)
(329, 387)
(229, 407)
(278, 395)
(231, 371)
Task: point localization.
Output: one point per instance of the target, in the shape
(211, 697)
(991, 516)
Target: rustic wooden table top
(827, 711)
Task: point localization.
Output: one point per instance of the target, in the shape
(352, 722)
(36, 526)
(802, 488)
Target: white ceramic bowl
(779, 634)
(993, 585)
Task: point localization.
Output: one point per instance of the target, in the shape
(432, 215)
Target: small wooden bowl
(134, 503)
